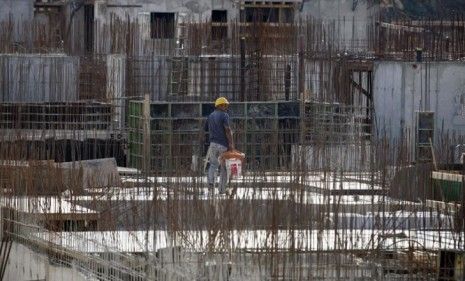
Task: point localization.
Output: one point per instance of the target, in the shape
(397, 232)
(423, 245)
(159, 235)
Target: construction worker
(220, 136)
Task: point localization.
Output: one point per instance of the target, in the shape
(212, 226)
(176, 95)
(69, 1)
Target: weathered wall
(17, 10)
(194, 9)
(111, 17)
(116, 86)
(74, 28)
(345, 23)
(38, 78)
(348, 20)
(400, 89)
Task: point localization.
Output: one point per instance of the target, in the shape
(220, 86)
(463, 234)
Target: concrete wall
(115, 11)
(194, 9)
(16, 10)
(346, 20)
(350, 22)
(38, 78)
(400, 89)
(116, 86)
(201, 9)
(345, 23)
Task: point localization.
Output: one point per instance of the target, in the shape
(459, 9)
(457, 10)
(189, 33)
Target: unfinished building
(350, 114)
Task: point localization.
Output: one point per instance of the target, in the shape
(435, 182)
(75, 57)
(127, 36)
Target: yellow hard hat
(221, 101)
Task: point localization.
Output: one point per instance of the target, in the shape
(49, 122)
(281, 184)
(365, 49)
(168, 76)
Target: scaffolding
(265, 131)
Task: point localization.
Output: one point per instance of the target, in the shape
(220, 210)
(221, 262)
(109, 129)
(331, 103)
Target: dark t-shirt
(215, 125)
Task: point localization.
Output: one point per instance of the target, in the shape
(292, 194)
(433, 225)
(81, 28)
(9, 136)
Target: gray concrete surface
(38, 78)
(401, 89)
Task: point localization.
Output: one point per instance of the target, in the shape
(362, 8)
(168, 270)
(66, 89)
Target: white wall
(400, 89)
(17, 10)
(38, 78)
(20, 13)
(194, 9)
(116, 85)
(350, 21)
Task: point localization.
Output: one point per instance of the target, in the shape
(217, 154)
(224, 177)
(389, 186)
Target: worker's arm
(205, 130)
(206, 139)
(228, 131)
(229, 137)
